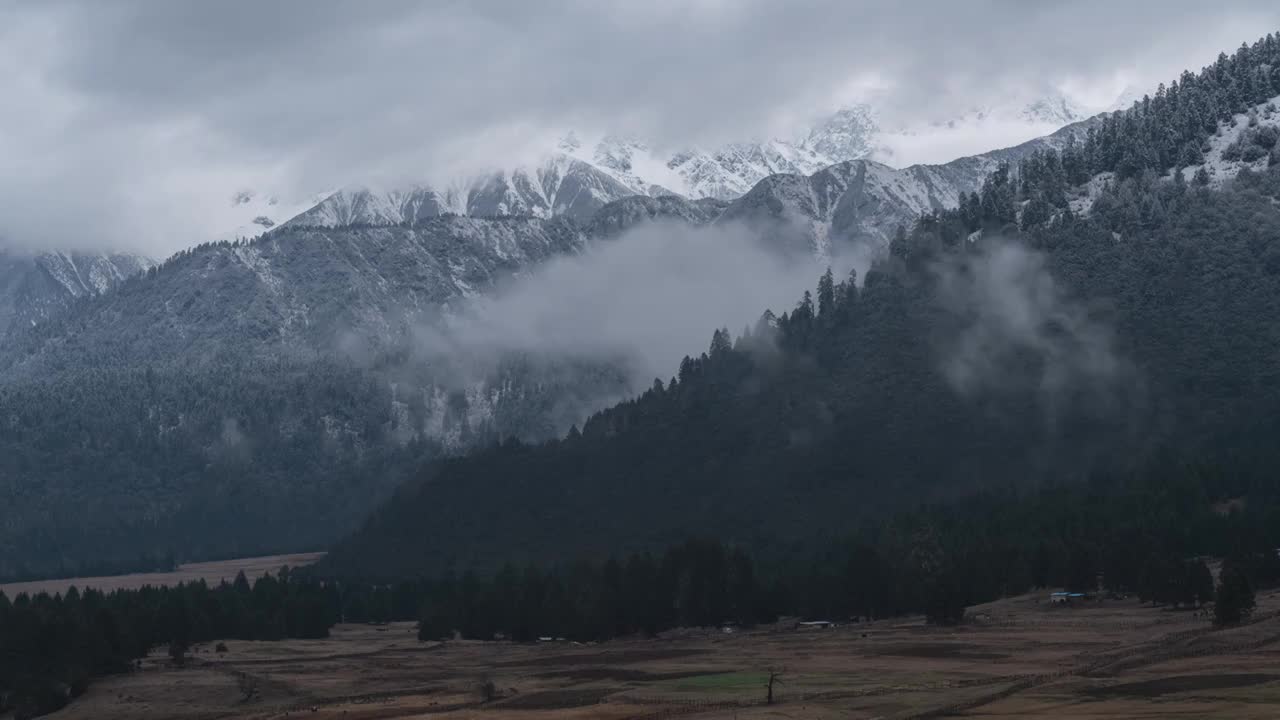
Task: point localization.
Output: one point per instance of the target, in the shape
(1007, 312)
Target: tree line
(1171, 128)
(51, 647)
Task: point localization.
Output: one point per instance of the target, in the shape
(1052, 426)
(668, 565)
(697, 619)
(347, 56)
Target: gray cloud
(644, 300)
(1016, 329)
(132, 122)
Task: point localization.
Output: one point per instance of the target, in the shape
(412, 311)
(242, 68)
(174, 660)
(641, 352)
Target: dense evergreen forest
(121, 470)
(52, 646)
(143, 468)
(1171, 128)
(987, 353)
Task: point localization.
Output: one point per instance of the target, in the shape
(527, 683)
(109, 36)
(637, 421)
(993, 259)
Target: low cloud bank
(645, 299)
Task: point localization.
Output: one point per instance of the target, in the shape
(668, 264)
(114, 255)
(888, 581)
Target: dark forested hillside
(993, 349)
(126, 469)
(116, 470)
(262, 395)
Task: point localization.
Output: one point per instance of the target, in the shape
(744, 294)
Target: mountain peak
(844, 135)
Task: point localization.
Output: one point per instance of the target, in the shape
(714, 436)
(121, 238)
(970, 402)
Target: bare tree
(486, 689)
(775, 678)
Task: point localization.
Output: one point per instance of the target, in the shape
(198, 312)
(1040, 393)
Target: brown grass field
(210, 572)
(1014, 658)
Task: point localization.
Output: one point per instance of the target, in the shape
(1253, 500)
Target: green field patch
(724, 681)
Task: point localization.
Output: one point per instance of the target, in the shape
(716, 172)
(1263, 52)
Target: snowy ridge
(34, 287)
(303, 290)
(729, 171)
(862, 202)
(580, 175)
(250, 213)
(561, 185)
(86, 274)
(578, 178)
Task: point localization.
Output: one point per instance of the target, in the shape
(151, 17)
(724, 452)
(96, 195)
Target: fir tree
(826, 295)
(1234, 601)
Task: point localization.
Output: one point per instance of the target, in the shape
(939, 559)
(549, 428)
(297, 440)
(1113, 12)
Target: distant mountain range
(579, 175)
(361, 267)
(806, 177)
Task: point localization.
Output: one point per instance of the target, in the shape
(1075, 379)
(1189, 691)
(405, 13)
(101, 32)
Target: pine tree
(721, 344)
(1234, 601)
(850, 291)
(826, 295)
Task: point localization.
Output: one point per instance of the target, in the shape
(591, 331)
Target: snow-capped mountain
(35, 286)
(863, 202)
(1051, 108)
(729, 171)
(578, 178)
(561, 185)
(249, 213)
(934, 139)
(580, 175)
(819, 183)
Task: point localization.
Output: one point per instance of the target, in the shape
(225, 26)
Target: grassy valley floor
(1017, 657)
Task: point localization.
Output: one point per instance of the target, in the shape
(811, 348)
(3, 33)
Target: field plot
(210, 572)
(1015, 658)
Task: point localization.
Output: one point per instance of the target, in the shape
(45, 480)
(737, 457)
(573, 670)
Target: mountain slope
(35, 287)
(958, 367)
(862, 201)
(294, 292)
(617, 217)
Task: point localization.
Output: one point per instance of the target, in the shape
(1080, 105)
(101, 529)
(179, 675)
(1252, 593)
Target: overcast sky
(133, 123)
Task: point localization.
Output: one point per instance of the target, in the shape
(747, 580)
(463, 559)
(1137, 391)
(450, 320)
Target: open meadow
(1019, 657)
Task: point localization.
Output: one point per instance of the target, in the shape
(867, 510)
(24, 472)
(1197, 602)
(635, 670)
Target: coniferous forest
(1151, 350)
